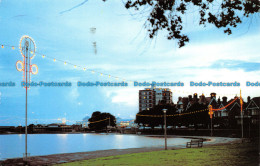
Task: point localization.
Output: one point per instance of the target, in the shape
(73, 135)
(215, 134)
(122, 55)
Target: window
(254, 112)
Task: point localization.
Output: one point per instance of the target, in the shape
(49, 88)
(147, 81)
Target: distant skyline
(63, 30)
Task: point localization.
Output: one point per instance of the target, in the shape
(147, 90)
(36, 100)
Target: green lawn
(236, 155)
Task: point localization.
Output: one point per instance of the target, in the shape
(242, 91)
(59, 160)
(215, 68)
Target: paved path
(70, 157)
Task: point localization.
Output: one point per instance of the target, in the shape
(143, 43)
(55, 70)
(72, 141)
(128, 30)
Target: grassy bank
(245, 154)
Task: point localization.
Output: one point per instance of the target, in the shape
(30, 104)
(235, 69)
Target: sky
(63, 31)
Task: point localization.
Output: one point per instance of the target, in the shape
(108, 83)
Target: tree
(30, 128)
(99, 121)
(168, 14)
(196, 118)
(156, 117)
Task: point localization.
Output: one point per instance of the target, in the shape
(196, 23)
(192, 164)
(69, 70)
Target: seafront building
(227, 117)
(230, 116)
(149, 97)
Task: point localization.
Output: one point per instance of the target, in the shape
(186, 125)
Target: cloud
(234, 65)
(127, 96)
(16, 16)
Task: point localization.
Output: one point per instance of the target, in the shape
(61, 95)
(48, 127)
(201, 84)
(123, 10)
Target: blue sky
(123, 50)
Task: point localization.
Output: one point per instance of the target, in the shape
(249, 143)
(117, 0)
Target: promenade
(70, 157)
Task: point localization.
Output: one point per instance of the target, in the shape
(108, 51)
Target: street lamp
(165, 133)
(28, 49)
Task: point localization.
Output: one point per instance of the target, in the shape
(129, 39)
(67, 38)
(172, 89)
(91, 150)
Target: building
(84, 122)
(184, 103)
(252, 110)
(150, 97)
(52, 128)
(125, 123)
(4, 129)
(230, 116)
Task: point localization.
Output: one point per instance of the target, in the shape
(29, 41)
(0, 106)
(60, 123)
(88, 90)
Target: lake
(13, 145)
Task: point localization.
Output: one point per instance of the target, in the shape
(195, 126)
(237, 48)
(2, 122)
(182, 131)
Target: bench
(247, 140)
(198, 142)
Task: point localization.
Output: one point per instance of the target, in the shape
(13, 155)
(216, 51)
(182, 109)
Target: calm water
(12, 146)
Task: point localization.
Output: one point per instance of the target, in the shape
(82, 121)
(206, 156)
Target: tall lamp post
(27, 48)
(165, 129)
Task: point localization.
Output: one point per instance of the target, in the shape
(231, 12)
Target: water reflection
(62, 136)
(119, 136)
(44, 144)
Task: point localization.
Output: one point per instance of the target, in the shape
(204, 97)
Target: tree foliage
(177, 120)
(99, 121)
(168, 14)
(156, 121)
(195, 118)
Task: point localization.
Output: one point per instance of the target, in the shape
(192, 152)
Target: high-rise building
(146, 99)
(149, 97)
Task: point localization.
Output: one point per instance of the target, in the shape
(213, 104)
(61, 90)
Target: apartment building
(150, 97)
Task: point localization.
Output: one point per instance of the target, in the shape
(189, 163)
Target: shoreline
(71, 157)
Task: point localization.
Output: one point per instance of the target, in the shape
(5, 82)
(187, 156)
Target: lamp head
(164, 110)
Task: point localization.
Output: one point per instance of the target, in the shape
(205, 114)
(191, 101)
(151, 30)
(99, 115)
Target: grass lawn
(245, 154)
